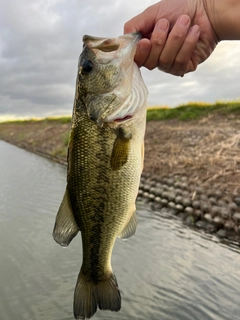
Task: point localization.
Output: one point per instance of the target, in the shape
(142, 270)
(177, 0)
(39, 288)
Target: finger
(144, 22)
(174, 42)
(158, 40)
(183, 63)
(142, 53)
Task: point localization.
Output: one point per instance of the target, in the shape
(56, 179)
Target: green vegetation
(193, 111)
(59, 152)
(65, 119)
(62, 120)
(65, 138)
(189, 111)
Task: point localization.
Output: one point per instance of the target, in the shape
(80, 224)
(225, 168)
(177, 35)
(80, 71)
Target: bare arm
(225, 18)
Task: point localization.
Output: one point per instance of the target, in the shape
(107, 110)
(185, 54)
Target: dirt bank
(203, 155)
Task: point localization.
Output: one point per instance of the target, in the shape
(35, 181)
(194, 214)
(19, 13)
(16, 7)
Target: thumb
(144, 23)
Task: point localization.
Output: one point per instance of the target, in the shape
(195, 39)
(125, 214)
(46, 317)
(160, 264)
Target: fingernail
(194, 30)
(163, 25)
(184, 21)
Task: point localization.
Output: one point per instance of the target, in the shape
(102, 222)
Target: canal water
(165, 272)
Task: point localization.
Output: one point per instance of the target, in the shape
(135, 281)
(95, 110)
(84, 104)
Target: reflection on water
(164, 272)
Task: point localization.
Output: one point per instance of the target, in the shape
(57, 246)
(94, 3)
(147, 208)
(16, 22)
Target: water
(165, 271)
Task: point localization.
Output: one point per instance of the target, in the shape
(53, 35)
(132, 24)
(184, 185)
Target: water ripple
(166, 271)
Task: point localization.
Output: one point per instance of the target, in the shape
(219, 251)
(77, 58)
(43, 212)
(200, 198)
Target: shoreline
(200, 208)
(201, 197)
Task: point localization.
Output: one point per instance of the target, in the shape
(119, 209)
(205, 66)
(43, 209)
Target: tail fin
(88, 296)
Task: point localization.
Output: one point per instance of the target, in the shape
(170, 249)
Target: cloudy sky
(40, 41)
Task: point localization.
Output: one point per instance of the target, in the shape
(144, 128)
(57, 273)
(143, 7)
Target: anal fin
(65, 228)
(130, 229)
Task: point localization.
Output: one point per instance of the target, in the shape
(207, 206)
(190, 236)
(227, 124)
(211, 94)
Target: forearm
(225, 18)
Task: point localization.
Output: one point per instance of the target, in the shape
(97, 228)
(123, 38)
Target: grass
(189, 111)
(62, 120)
(65, 138)
(62, 152)
(193, 111)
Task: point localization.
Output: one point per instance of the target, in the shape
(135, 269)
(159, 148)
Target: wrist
(224, 16)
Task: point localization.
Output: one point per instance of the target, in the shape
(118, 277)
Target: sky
(40, 42)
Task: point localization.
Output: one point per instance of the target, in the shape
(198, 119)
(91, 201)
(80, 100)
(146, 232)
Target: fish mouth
(112, 44)
(123, 101)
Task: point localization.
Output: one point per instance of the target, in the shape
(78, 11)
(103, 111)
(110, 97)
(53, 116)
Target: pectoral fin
(130, 228)
(120, 150)
(65, 228)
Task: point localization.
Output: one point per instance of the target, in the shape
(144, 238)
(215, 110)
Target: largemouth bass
(105, 161)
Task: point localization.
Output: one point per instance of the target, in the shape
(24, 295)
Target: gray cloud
(40, 43)
(217, 78)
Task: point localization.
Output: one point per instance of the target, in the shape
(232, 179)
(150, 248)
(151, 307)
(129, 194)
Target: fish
(105, 162)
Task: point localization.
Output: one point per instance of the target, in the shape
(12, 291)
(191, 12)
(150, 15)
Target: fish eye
(87, 66)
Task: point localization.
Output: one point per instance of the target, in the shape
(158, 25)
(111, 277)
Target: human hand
(177, 36)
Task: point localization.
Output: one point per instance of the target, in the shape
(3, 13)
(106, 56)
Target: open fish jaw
(125, 90)
(114, 47)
